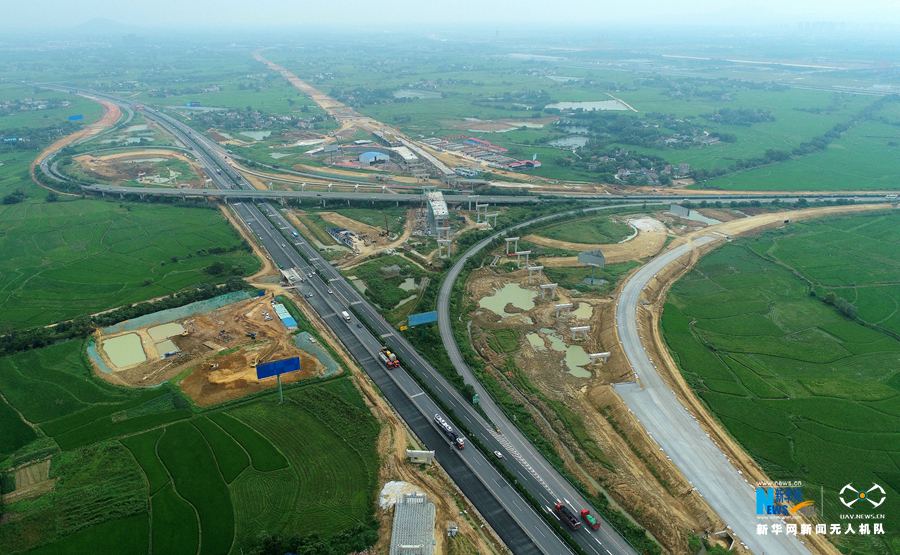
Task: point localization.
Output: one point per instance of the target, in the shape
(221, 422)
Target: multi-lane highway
(514, 520)
(530, 470)
(508, 513)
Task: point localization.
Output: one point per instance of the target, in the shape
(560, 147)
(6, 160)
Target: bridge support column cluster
(532, 269)
(441, 243)
(510, 240)
(576, 329)
(519, 258)
(478, 208)
(567, 306)
(551, 287)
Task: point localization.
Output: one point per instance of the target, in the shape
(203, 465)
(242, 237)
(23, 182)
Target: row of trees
(82, 326)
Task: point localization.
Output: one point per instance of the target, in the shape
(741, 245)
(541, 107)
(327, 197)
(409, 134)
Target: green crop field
(175, 528)
(143, 447)
(143, 464)
(595, 230)
(793, 375)
(94, 485)
(63, 259)
(864, 159)
(229, 455)
(192, 466)
(312, 494)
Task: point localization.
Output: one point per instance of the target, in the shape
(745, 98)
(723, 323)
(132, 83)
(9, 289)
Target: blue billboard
(9, 139)
(193, 104)
(278, 367)
(73, 118)
(424, 318)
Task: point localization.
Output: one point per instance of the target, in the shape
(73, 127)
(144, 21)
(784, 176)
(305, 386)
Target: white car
(498, 454)
(329, 292)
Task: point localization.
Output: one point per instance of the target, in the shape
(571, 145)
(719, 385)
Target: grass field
(595, 230)
(383, 286)
(863, 159)
(55, 118)
(63, 259)
(790, 376)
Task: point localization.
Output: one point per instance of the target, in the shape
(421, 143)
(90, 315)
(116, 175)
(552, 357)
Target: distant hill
(105, 27)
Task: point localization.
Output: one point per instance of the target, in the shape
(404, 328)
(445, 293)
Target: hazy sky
(393, 13)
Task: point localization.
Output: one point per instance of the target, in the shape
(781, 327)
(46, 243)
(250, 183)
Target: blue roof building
(370, 158)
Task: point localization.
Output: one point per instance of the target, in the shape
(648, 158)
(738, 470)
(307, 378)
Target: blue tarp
(424, 318)
(277, 367)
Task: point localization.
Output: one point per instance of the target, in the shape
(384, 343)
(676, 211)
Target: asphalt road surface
(677, 432)
(508, 513)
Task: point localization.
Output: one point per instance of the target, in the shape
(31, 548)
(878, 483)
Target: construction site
(220, 348)
(144, 167)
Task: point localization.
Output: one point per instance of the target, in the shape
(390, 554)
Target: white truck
(345, 315)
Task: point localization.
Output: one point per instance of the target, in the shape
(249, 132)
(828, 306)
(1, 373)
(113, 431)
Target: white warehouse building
(438, 215)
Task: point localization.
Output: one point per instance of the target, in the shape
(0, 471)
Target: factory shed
(369, 158)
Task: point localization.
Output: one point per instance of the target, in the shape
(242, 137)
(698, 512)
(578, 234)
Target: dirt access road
(111, 115)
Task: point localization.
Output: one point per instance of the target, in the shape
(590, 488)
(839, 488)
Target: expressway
(510, 515)
(233, 192)
(722, 496)
(502, 506)
(678, 433)
(600, 542)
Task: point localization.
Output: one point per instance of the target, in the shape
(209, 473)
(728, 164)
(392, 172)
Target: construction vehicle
(388, 358)
(589, 518)
(254, 361)
(459, 442)
(567, 516)
(252, 335)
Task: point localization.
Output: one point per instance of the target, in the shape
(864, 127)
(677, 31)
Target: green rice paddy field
(140, 471)
(812, 394)
(59, 260)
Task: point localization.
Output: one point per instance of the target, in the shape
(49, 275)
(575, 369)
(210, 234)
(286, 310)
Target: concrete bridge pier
(567, 306)
(510, 240)
(519, 258)
(576, 329)
(599, 356)
(532, 269)
(551, 287)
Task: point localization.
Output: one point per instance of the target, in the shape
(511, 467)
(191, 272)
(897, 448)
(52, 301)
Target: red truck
(567, 516)
(388, 358)
(589, 518)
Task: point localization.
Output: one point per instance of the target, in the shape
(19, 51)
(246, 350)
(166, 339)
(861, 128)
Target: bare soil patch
(32, 481)
(128, 166)
(208, 334)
